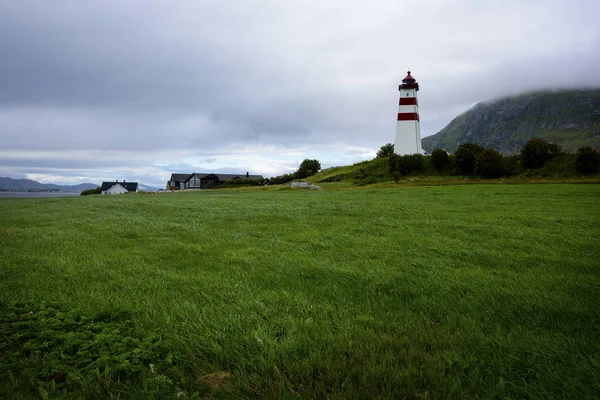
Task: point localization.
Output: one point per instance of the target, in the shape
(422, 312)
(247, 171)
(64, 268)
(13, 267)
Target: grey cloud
(165, 81)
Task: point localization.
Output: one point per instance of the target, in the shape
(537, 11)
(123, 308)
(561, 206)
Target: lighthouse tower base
(408, 138)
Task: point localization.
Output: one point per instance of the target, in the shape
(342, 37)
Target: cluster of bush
(588, 160)
(307, 168)
(243, 182)
(87, 192)
(472, 159)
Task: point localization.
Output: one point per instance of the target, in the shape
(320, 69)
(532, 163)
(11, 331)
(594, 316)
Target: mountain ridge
(570, 118)
(7, 183)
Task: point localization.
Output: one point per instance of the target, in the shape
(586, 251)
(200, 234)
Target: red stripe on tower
(408, 101)
(408, 117)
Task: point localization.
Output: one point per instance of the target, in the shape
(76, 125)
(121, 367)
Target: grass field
(472, 291)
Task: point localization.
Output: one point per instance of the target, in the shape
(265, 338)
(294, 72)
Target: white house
(119, 187)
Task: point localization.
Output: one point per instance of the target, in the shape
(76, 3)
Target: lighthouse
(408, 130)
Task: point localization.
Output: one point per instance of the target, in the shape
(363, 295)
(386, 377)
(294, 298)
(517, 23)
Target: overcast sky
(112, 89)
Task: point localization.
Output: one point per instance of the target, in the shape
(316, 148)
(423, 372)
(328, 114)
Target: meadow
(424, 292)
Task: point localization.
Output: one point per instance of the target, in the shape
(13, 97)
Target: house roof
(130, 186)
(221, 177)
(179, 177)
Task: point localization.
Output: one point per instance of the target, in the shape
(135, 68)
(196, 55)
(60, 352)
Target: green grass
(470, 291)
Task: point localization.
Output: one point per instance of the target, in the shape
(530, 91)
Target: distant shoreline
(33, 194)
(36, 190)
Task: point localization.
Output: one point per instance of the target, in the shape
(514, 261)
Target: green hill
(570, 118)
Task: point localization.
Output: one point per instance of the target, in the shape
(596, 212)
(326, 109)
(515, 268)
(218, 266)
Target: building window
(194, 182)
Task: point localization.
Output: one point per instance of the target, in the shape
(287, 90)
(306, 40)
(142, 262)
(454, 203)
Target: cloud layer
(109, 90)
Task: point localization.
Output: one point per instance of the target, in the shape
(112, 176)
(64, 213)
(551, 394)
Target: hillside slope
(570, 118)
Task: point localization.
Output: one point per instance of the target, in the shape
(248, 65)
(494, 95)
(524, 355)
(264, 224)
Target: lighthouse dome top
(409, 83)
(408, 78)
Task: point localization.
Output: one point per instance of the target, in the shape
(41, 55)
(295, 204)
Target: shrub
(243, 182)
(393, 162)
(281, 179)
(396, 176)
(490, 164)
(439, 159)
(588, 160)
(410, 163)
(385, 151)
(537, 152)
(87, 192)
(367, 180)
(512, 164)
(466, 155)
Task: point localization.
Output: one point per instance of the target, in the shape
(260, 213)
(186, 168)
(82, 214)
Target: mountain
(28, 184)
(570, 118)
(146, 188)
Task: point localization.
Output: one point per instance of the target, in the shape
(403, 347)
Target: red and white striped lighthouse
(408, 130)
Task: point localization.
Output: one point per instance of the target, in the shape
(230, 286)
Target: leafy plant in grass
(50, 351)
(588, 160)
(490, 164)
(536, 152)
(465, 156)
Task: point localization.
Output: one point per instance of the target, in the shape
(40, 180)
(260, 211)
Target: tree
(439, 159)
(537, 152)
(490, 164)
(466, 155)
(385, 151)
(307, 168)
(588, 160)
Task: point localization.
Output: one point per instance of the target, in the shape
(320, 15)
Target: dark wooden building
(205, 180)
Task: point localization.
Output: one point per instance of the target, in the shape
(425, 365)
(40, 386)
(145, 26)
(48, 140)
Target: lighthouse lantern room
(408, 130)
